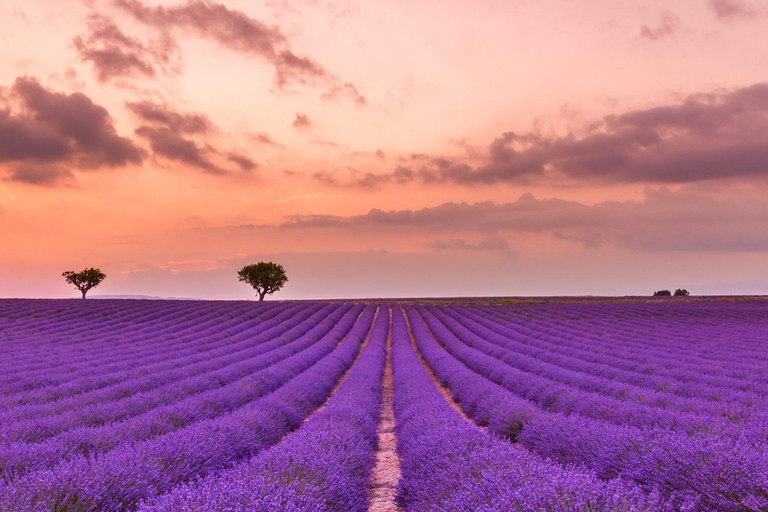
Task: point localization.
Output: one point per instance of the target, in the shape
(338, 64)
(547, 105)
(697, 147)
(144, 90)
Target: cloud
(727, 10)
(264, 138)
(670, 24)
(114, 54)
(167, 131)
(63, 130)
(242, 161)
(39, 174)
(171, 145)
(240, 33)
(301, 121)
(163, 114)
(365, 179)
(491, 243)
(716, 136)
(688, 220)
(324, 143)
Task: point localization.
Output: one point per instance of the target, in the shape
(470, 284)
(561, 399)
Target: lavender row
(622, 365)
(324, 466)
(254, 379)
(40, 428)
(564, 370)
(84, 392)
(669, 334)
(71, 333)
(120, 479)
(695, 474)
(142, 348)
(555, 396)
(666, 331)
(448, 464)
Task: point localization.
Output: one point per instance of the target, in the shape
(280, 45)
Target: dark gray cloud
(686, 220)
(115, 54)
(715, 136)
(159, 113)
(169, 144)
(76, 117)
(239, 32)
(39, 174)
(61, 131)
(242, 161)
(669, 26)
(168, 132)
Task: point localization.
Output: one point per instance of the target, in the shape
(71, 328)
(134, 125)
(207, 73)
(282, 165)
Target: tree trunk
(261, 295)
(84, 292)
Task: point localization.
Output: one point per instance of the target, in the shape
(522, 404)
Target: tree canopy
(662, 293)
(85, 279)
(265, 277)
(681, 292)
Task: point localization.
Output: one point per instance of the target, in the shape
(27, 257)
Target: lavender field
(161, 406)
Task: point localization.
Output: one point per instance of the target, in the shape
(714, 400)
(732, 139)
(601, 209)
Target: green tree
(85, 279)
(265, 277)
(662, 293)
(681, 292)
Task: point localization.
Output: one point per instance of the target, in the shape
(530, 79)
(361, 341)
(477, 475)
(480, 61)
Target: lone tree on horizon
(265, 277)
(85, 279)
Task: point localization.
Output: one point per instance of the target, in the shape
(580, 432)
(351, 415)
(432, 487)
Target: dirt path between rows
(386, 473)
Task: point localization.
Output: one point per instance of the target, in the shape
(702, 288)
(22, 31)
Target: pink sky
(401, 148)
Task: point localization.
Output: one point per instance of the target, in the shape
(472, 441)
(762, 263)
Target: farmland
(578, 405)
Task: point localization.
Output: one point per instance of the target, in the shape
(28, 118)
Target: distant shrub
(663, 293)
(681, 292)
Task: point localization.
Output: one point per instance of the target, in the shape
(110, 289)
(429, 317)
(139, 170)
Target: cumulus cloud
(115, 54)
(61, 131)
(686, 220)
(239, 32)
(714, 136)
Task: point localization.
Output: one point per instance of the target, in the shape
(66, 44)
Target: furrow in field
(386, 473)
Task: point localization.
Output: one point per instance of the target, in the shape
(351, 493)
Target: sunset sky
(385, 148)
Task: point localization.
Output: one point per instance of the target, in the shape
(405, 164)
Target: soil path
(386, 473)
